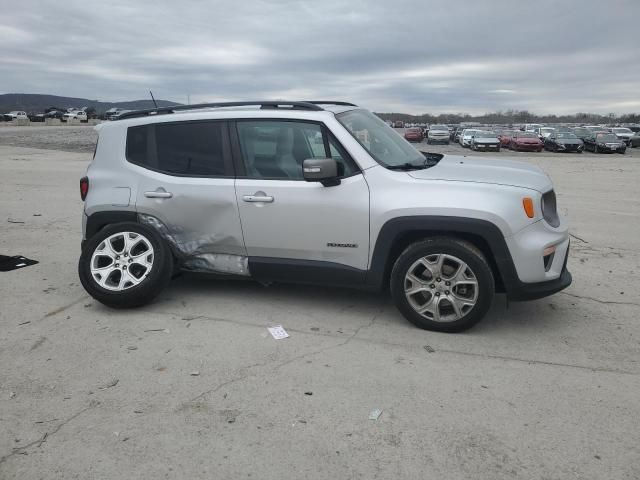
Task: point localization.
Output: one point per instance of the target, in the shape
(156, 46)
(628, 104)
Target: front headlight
(549, 209)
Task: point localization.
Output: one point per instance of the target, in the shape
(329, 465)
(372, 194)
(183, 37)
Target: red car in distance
(414, 134)
(525, 141)
(505, 137)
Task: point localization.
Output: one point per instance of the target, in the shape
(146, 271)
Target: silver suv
(318, 193)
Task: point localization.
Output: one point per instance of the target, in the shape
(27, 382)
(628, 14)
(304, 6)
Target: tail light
(84, 187)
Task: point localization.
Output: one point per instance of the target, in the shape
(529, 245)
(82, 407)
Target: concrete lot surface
(193, 387)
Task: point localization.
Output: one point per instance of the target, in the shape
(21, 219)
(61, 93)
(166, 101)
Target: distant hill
(31, 102)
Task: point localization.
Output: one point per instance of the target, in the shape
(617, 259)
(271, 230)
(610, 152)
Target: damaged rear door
(186, 191)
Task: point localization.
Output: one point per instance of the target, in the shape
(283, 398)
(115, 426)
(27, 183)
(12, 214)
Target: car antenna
(154, 100)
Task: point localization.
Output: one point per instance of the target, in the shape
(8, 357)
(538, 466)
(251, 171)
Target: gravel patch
(64, 138)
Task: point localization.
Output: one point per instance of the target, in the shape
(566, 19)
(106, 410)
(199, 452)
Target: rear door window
(181, 148)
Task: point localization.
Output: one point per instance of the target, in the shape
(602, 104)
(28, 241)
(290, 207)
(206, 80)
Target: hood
(527, 140)
(569, 141)
(480, 170)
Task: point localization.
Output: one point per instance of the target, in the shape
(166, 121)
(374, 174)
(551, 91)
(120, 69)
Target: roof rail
(313, 105)
(330, 102)
(262, 104)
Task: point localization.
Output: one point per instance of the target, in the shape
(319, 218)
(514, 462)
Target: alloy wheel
(441, 287)
(122, 261)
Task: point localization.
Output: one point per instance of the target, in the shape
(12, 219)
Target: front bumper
(520, 291)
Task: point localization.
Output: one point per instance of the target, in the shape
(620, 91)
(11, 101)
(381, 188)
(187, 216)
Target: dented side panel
(198, 216)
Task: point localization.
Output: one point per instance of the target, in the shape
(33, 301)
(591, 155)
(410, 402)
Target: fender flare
(395, 234)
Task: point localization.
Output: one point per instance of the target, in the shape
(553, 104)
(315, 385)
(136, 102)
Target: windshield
(547, 130)
(606, 137)
(566, 135)
(470, 132)
(439, 127)
(527, 135)
(622, 130)
(381, 141)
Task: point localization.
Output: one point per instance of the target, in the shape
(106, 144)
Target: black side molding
(316, 272)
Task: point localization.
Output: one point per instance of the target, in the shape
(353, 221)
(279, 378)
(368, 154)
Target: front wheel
(442, 284)
(125, 265)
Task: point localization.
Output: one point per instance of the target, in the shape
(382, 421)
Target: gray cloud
(435, 56)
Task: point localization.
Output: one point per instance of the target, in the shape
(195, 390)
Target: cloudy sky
(419, 56)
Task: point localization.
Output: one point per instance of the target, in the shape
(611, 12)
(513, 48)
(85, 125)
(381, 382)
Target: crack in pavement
(400, 345)
(47, 435)
(288, 361)
(538, 362)
(597, 300)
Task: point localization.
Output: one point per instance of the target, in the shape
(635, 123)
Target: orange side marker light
(527, 203)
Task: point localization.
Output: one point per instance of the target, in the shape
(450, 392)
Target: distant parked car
(597, 128)
(530, 127)
(456, 134)
(414, 134)
(623, 133)
(55, 114)
(465, 136)
(563, 142)
(581, 132)
(527, 141)
(544, 132)
(604, 142)
(438, 134)
(505, 137)
(75, 115)
(485, 140)
(36, 117)
(15, 115)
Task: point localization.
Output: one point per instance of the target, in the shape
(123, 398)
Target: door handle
(158, 194)
(257, 198)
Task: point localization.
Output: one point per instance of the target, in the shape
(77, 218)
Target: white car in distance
(75, 115)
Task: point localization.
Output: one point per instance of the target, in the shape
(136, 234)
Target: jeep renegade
(319, 193)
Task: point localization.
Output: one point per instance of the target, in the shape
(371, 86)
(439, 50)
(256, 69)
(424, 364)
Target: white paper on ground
(278, 332)
(375, 414)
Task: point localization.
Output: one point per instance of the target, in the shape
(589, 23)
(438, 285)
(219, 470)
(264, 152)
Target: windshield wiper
(429, 161)
(407, 166)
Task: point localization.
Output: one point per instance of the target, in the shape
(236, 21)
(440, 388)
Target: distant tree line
(512, 116)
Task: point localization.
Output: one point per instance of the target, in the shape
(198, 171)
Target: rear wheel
(125, 265)
(442, 284)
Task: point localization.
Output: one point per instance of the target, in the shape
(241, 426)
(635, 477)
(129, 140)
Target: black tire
(464, 251)
(155, 281)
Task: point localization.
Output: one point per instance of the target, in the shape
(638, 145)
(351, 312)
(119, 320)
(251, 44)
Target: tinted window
(137, 144)
(188, 148)
(276, 149)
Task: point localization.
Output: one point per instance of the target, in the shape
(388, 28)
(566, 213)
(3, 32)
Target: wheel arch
(396, 234)
(98, 220)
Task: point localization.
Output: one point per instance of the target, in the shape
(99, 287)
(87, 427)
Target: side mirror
(323, 170)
